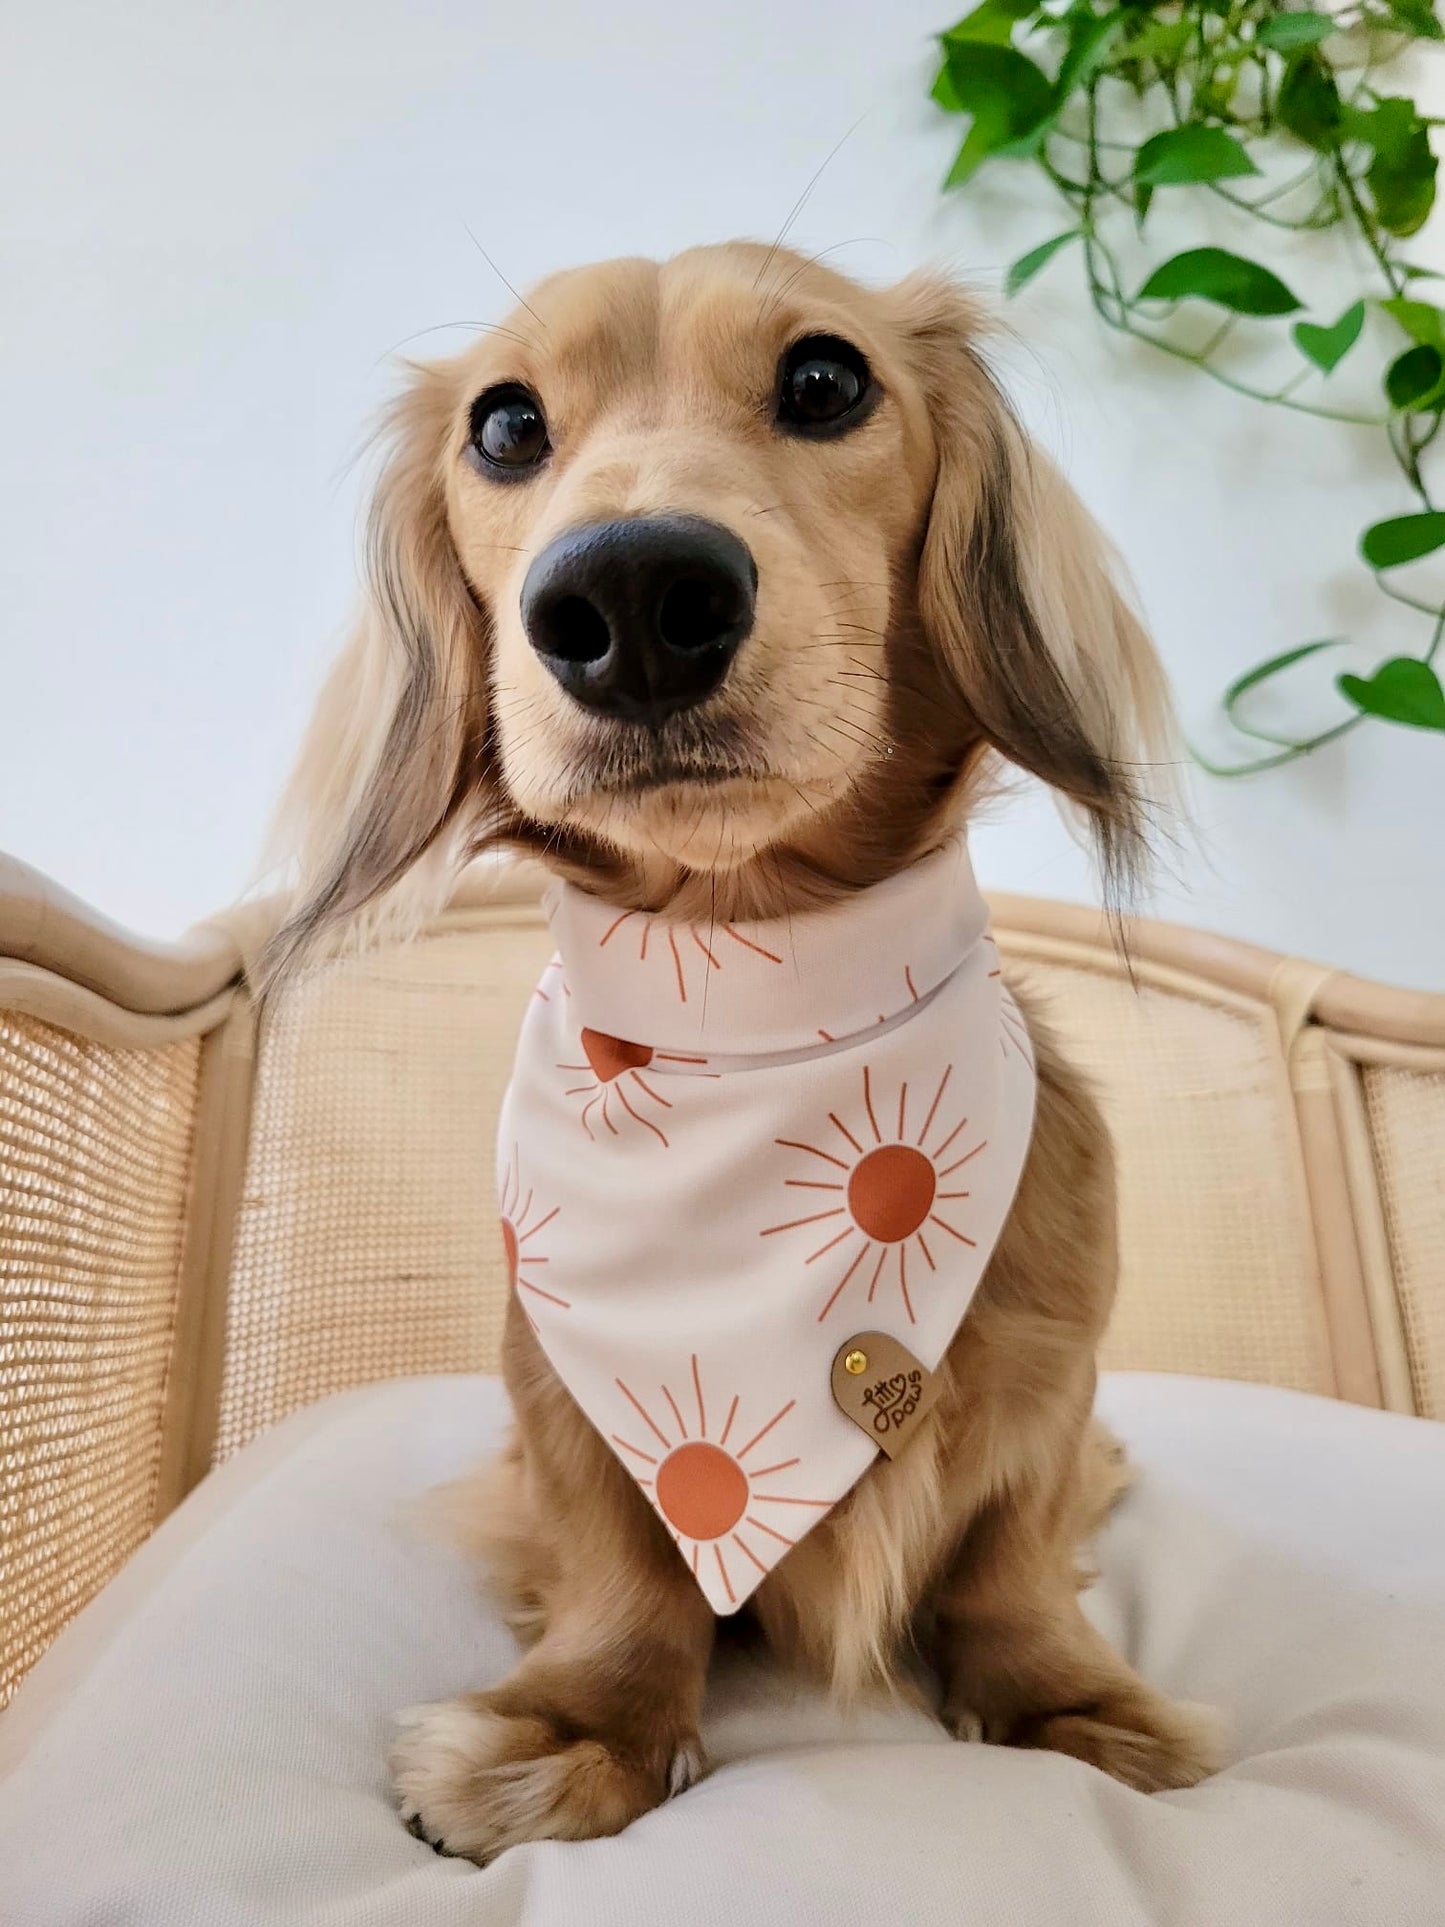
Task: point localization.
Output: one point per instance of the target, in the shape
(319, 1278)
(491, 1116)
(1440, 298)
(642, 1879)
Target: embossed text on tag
(883, 1388)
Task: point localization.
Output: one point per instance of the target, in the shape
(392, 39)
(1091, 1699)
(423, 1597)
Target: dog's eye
(825, 387)
(509, 429)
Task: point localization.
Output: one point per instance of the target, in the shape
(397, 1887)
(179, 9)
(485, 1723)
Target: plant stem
(1318, 218)
(1279, 398)
(1291, 754)
(1393, 279)
(1435, 635)
(1406, 601)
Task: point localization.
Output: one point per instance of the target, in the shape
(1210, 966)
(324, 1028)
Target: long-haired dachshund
(885, 592)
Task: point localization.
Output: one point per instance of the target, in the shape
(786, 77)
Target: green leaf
(1401, 176)
(1327, 347)
(1288, 32)
(1403, 690)
(982, 73)
(1214, 274)
(1309, 103)
(1405, 538)
(1191, 153)
(1091, 37)
(1214, 94)
(942, 92)
(1006, 93)
(1028, 265)
(1419, 18)
(992, 23)
(1161, 41)
(1413, 383)
(985, 137)
(1421, 320)
(991, 133)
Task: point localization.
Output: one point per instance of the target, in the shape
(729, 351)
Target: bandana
(750, 1175)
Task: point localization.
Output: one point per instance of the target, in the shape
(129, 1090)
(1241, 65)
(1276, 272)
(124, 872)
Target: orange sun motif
(519, 1227)
(890, 1190)
(686, 949)
(613, 1066)
(702, 1488)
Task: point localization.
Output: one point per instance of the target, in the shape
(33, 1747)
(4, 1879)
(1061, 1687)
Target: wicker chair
(198, 1235)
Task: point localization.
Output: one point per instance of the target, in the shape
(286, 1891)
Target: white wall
(222, 219)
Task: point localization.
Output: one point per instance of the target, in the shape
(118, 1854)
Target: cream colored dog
(884, 591)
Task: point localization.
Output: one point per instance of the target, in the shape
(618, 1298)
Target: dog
(899, 596)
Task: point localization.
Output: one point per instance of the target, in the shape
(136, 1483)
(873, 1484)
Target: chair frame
(66, 967)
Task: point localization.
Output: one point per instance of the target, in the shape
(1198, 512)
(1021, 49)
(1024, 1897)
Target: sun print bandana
(725, 1150)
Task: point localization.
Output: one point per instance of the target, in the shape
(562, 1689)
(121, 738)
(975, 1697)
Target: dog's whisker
(521, 301)
(812, 260)
(862, 736)
(442, 327)
(801, 203)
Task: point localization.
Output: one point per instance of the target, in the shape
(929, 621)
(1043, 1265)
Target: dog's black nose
(640, 619)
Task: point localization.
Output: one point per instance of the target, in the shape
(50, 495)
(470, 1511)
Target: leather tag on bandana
(883, 1388)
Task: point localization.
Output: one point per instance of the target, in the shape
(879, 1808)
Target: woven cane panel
(367, 1243)
(95, 1148)
(1406, 1110)
(1218, 1272)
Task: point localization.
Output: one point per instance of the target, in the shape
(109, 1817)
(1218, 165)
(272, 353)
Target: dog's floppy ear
(396, 767)
(1018, 591)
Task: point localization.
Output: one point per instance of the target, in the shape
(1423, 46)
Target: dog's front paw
(1150, 1743)
(964, 1724)
(472, 1781)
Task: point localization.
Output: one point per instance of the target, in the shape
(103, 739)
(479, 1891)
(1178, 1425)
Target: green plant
(1278, 117)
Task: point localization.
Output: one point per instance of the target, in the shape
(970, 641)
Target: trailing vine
(1281, 119)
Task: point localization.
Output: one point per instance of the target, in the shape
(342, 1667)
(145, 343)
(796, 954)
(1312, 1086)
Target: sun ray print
(552, 971)
(715, 1484)
(884, 1194)
(1013, 1031)
(913, 998)
(683, 953)
(523, 1219)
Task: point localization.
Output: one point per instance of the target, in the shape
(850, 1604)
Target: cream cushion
(203, 1746)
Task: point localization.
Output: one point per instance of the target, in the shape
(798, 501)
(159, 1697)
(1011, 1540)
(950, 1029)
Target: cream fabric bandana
(726, 1150)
